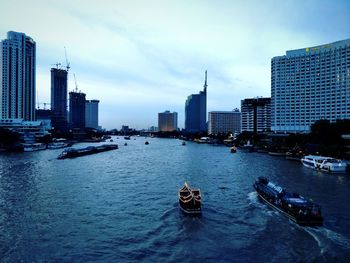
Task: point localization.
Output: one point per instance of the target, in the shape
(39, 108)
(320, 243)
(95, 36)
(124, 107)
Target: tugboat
(190, 200)
(294, 206)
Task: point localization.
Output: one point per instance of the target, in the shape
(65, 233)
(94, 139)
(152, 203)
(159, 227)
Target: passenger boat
(190, 200)
(294, 206)
(31, 147)
(71, 152)
(322, 163)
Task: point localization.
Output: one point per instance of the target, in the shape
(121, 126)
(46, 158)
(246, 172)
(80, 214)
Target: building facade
(17, 77)
(77, 110)
(91, 114)
(310, 84)
(196, 111)
(256, 114)
(59, 99)
(167, 121)
(224, 122)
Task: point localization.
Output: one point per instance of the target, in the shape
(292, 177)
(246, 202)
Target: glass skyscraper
(17, 77)
(196, 111)
(310, 84)
(59, 99)
(77, 110)
(167, 121)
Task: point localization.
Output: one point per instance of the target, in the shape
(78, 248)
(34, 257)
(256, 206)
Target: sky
(140, 57)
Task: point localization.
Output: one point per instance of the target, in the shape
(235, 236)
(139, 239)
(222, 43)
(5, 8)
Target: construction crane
(76, 85)
(57, 64)
(67, 62)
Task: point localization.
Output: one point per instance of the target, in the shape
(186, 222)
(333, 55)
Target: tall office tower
(310, 84)
(17, 77)
(224, 122)
(59, 99)
(196, 111)
(77, 110)
(256, 114)
(91, 114)
(167, 121)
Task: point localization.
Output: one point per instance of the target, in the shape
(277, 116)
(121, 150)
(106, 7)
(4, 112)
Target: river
(122, 206)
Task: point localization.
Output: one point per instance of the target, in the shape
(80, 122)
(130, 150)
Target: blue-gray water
(122, 206)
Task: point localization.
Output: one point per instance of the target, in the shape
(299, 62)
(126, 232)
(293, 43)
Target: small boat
(327, 164)
(127, 138)
(190, 200)
(233, 149)
(57, 145)
(146, 142)
(31, 147)
(125, 144)
(183, 143)
(294, 206)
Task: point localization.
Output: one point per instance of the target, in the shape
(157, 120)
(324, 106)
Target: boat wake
(326, 237)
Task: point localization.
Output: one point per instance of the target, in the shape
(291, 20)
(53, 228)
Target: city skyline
(144, 57)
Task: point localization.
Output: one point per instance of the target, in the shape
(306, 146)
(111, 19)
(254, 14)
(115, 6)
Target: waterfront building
(310, 84)
(256, 114)
(44, 116)
(224, 122)
(196, 111)
(91, 114)
(167, 121)
(77, 110)
(30, 131)
(17, 77)
(59, 99)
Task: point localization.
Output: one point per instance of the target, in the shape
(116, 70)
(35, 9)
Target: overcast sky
(143, 57)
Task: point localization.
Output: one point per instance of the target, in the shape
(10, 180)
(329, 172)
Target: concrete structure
(77, 110)
(17, 77)
(310, 84)
(256, 114)
(91, 114)
(224, 122)
(167, 121)
(44, 116)
(59, 99)
(196, 111)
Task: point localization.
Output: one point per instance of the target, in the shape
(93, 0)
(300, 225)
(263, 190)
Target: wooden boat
(190, 200)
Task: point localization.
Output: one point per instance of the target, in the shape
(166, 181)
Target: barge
(72, 152)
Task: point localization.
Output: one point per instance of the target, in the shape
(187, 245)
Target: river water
(122, 206)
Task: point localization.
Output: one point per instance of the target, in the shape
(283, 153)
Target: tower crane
(56, 64)
(76, 85)
(67, 62)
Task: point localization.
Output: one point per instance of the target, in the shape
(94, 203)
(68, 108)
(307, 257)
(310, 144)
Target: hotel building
(167, 121)
(224, 122)
(310, 84)
(256, 113)
(17, 77)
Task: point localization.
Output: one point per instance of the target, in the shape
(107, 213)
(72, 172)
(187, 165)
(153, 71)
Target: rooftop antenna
(205, 83)
(76, 85)
(67, 62)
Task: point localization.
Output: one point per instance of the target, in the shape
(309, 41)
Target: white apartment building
(224, 122)
(256, 114)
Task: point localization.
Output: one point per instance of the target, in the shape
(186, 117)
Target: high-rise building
(91, 114)
(59, 99)
(167, 121)
(196, 111)
(17, 77)
(224, 122)
(256, 114)
(310, 84)
(77, 110)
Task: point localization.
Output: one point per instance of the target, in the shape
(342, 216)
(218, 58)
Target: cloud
(143, 57)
